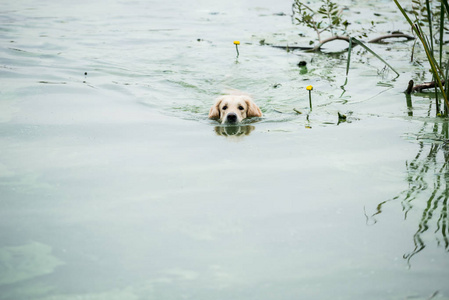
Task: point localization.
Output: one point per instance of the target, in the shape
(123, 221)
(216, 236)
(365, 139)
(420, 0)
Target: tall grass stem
(435, 67)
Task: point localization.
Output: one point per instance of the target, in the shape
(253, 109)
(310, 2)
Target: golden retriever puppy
(232, 109)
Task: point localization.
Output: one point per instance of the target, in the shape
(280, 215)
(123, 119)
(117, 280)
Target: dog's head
(232, 109)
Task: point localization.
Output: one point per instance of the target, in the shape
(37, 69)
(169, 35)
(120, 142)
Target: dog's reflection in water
(234, 131)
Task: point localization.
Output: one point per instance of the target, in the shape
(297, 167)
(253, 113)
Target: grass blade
(441, 34)
(446, 5)
(446, 86)
(423, 38)
(433, 65)
(429, 20)
(373, 53)
(437, 100)
(349, 56)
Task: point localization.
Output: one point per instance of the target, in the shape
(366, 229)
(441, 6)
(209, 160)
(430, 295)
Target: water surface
(114, 185)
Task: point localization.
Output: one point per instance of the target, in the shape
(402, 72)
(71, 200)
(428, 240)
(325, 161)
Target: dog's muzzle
(231, 118)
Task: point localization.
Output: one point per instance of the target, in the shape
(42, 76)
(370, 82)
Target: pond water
(115, 185)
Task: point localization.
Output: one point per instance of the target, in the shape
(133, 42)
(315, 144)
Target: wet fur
(233, 109)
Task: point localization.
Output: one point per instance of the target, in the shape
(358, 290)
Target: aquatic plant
(341, 118)
(329, 18)
(310, 88)
(237, 43)
(425, 18)
(352, 41)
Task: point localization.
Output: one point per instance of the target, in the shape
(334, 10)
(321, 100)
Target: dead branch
(288, 48)
(390, 36)
(333, 38)
(423, 86)
(344, 38)
(409, 87)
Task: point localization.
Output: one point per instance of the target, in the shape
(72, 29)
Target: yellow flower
(309, 88)
(236, 43)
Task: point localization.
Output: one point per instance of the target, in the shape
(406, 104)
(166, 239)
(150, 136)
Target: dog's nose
(231, 118)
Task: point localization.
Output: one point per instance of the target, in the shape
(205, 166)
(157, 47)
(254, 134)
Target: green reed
(440, 75)
(355, 41)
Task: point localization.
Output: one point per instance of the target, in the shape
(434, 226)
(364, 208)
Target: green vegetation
(425, 18)
(428, 22)
(329, 18)
(427, 172)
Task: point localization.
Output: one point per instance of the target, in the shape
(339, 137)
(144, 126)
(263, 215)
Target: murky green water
(114, 185)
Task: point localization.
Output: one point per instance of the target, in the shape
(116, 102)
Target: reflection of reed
(427, 172)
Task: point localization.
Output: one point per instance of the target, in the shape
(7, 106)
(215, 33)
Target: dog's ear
(214, 112)
(253, 109)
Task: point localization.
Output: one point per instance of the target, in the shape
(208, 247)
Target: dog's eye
(241, 107)
(225, 107)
